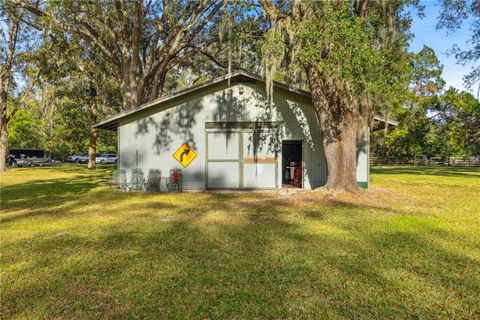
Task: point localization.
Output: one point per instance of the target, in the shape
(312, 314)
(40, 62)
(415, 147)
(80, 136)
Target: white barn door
(223, 160)
(259, 160)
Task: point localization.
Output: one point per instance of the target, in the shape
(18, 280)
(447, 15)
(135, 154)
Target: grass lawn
(409, 248)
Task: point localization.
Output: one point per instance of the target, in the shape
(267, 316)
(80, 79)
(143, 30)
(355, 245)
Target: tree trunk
(3, 145)
(158, 82)
(339, 126)
(341, 156)
(135, 55)
(92, 147)
(125, 94)
(3, 124)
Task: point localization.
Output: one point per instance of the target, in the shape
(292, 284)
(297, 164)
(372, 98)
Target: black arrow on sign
(185, 152)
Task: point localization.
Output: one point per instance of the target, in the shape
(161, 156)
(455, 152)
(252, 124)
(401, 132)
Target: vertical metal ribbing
(303, 164)
(206, 159)
(240, 159)
(118, 147)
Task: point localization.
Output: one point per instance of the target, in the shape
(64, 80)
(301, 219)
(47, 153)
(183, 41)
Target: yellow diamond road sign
(185, 155)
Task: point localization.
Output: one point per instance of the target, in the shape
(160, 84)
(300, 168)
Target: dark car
(16, 154)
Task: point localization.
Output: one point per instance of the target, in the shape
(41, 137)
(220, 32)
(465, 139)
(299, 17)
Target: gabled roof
(112, 122)
(238, 76)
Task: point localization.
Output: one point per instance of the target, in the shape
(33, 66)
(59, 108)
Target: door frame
(302, 142)
(240, 129)
(239, 160)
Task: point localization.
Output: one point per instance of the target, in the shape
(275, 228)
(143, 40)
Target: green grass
(407, 249)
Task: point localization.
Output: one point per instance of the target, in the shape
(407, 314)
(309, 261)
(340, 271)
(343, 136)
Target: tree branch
(23, 98)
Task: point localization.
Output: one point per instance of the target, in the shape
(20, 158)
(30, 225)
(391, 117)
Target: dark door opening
(292, 164)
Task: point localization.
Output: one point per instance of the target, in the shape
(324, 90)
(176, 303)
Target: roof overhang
(380, 123)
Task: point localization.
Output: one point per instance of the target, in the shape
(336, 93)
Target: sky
(441, 41)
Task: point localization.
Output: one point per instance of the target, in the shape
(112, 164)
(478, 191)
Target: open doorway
(292, 164)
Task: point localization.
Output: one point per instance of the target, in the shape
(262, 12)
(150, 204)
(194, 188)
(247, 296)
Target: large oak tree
(341, 46)
(140, 39)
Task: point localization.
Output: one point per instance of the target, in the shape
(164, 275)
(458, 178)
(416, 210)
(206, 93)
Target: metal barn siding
(157, 133)
(299, 122)
(239, 156)
(148, 138)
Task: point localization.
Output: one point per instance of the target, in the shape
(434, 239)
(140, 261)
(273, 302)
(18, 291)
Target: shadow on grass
(253, 263)
(34, 194)
(225, 256)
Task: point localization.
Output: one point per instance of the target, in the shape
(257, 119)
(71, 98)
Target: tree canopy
(454, 15)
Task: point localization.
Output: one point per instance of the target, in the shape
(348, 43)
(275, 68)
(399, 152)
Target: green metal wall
(148, 139)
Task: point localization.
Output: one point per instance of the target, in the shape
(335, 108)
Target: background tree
(24, 128)
(433, 122)
(140, 40)
(421, 94)
(457, 118)
(447, 126)
(59, 121)
(17, 76)
(76, 89)
(453, 15)
(82, 79)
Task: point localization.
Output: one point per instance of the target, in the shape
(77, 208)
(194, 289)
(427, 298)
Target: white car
(83, 159)
(99, 158)
(107, 158)
(76, 157)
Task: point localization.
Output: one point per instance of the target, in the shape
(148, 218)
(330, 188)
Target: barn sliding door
(259, 160)
(240, 158)
(223, 159)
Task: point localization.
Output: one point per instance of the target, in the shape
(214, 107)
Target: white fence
(427, 161)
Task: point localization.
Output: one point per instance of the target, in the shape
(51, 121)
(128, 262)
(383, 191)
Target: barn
(236, 138)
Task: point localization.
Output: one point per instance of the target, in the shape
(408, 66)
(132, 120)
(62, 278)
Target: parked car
(83, 158)
(76, 157)
(27, 153)
(107, 158)
(99, 157)
(32, 161)
(11, 160)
